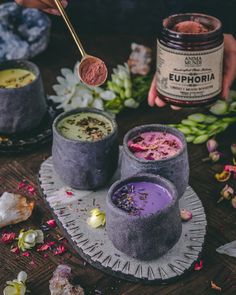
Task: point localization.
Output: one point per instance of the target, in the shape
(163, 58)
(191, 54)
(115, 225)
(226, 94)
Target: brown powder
(190, 27)
(93, 71)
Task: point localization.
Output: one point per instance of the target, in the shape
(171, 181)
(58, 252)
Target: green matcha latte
(85, 126)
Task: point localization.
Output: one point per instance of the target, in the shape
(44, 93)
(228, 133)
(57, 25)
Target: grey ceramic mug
(175, 168)
(85, 164)
(144, 237)
(23, 108)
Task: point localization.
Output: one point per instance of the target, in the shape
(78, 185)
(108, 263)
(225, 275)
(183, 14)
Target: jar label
(189, 75)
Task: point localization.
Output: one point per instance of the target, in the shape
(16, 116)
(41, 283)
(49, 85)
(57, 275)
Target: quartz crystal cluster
(24, 32)
(60, 284)
(140, 59)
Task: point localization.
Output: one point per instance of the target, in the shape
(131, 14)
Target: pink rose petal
(8, 238)
(45, 247)
(21, 184)
(51, 223)
(31, 189)
(69, 193)
(198, 266)
(33, 264)
(185, 215)
(60, 250)
(15, 250)
(26, 254)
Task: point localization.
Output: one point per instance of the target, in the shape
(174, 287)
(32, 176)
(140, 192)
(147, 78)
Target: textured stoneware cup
(144, 237)
(22, 108)
(175, 168)
(84, 164)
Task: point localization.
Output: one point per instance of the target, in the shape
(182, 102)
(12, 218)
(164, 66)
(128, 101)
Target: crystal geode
(24, 32)
(60, 282)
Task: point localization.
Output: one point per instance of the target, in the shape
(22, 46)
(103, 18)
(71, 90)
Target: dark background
(143, 17)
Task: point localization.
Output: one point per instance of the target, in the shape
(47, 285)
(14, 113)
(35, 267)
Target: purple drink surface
(154, 145)
(141, 198)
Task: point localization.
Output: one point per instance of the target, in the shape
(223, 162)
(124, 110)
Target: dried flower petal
(21, 184)
(212, 145)
(26, 254)
(186, 215)
(233, 202)
(31, 189)
(215, 287)
(230, 168)
(60, 250)
(215, 156)
(45, 246)
(97, 218)
(135, 147)
(33, 263)
(15, 250)
(223, 176)
(69, 193)
(226, 193)
(8, 238)
(51, 223)
(198, 266)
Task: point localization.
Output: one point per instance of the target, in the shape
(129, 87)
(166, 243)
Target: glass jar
(190, 60)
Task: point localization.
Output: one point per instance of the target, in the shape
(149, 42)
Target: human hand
(154, 99)
(229, 64)
(229, 73)
(45, 5)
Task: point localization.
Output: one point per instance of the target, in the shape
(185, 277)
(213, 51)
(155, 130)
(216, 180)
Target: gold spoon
(91, 70)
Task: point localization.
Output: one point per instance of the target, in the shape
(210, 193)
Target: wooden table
(221, 218)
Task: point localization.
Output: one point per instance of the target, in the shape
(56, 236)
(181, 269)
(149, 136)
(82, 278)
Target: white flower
(16, 287)
(97, 218)
(28, 239)
(71, 93)
(107, 95)
(98, 104)
(131, 103)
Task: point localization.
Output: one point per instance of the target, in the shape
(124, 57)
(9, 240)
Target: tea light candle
(15, 78)
(141, 198)
(153, 145)
(85, 126)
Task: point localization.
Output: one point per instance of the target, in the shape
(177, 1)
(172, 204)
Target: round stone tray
(71, 211)
(24, 142)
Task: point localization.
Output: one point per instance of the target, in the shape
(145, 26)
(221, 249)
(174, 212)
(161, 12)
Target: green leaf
(197, 117)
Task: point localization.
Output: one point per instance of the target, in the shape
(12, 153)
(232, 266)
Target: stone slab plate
(24, 142)
(71, 209)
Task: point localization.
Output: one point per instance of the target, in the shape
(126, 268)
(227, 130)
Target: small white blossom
(16, 287)
(28, 239)
(71, 93)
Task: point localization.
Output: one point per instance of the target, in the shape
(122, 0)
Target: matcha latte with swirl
(85, 148)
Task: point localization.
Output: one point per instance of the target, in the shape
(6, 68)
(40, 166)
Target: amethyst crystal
(60, 285)
(24, 32)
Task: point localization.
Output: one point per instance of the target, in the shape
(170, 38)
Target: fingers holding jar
(44, 5)
(229, 73)
(154, 99)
